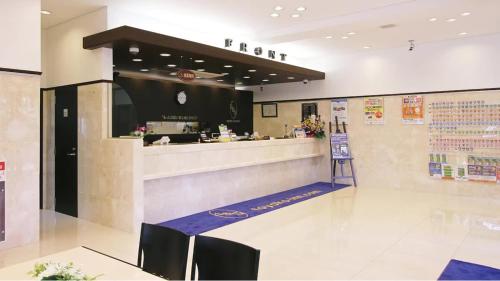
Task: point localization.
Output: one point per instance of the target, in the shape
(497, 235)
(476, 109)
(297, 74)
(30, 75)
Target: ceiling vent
(386, 26)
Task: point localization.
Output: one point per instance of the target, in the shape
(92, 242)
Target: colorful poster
(374, 111)
(339, 110)
(413, 109)
(340, 146)
(435, 170)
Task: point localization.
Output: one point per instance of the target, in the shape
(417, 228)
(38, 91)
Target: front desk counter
(184, 179)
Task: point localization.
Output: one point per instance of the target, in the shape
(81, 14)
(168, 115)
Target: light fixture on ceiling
(246, 77)
(295, 15)
(165, 55)
(173, 73)
(273, 74)
(412, 45)
(171, 65)
(345, 37)
(252, 70)
(198, 77)
(200, 70)
(278, 8)
(239, 83)
(225, 73)
(220, 80)
(464, 14)
(301, 9)
(291, 78)
(463, 33)
(144, 69)
(328, 37)
(199, 61)
(433, 19)
(367, 47)
(451, 20)
(265, 80)
(137, 60)
(228, 66)
(351, 33)
(45, 12)
(275, 15)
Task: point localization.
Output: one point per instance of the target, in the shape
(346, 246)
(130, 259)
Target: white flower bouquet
(57, 271)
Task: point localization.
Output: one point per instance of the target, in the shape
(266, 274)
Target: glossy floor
(349, 234)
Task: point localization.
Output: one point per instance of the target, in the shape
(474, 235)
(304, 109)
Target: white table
(90, 262)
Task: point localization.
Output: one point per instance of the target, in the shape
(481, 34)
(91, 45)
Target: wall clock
(181, 97)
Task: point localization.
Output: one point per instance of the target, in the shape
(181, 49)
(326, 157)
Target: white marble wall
(19, 147)
(109, 170)
(258, 169)
(48, 142)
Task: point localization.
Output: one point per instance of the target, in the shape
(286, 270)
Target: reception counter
(180, 180)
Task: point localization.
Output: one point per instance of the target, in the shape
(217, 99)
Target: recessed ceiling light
(301, 9)
(463, 33)
(45, 12)
(464, 14)
(291, 78)
(345, 37)
(173, 73)
(144, 70)
(239, 83)
(295, 15)
(328, 37)
(451, 20)
(275, 15)
(273, 74)
(171, 65)
(252, 70)
(265, 80)
(246, 77)
(433, 19)
(165, 55)
(228, 66)
(367, 47)
(198, 77)
(351, 33)
(201, 69)
(278, 8)
(137, 60)
(220, 80)
(199, 61)
(225, 73)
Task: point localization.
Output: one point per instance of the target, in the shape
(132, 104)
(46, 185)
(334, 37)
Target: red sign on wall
(186, 75)
(2, 166)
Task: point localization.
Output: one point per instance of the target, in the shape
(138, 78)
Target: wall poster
(374, 111)
(339, 110)
(464, 140)
(2, 200)
(413, 109)
(340, 146)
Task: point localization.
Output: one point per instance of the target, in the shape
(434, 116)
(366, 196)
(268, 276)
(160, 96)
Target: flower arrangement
(57, 271)
(140, 131)
(314, 127)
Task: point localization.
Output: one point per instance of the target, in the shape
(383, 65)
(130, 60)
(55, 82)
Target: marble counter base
(174, 197)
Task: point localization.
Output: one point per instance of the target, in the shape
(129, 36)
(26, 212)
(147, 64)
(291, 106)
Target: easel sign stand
(340, 153)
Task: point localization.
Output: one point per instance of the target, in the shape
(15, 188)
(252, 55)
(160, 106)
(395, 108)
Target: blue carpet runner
(460, 270)
(212, 219)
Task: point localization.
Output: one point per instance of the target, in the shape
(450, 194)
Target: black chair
(165, 251)
(219, 259)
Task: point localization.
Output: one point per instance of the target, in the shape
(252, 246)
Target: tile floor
(349, 234)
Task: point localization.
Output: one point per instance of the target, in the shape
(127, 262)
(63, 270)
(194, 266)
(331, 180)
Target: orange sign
(413, 109)
(186, 75)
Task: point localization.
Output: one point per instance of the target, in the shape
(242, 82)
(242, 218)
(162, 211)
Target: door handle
(71, 154)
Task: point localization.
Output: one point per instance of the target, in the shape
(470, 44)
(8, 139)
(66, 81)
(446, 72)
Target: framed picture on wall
(309, 109)
(269, 110)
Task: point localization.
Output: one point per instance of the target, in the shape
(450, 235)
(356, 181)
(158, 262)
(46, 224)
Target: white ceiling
(251, 19)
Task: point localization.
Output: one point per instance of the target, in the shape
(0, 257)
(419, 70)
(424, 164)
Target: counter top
(178, 160)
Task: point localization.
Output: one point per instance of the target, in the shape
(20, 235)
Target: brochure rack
(340, 153)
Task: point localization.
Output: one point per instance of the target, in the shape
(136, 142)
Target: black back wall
(153, 100)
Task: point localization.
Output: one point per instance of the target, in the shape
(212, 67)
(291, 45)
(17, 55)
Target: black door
(66, 190)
